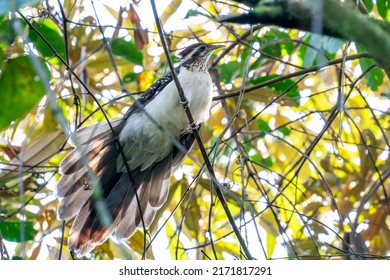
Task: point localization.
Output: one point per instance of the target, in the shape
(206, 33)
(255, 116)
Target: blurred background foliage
(298, 134)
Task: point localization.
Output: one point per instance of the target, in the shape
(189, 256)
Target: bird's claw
(184, 103)
(194, 127)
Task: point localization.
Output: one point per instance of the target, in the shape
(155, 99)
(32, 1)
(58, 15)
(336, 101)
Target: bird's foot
(194, 127)
(184, 103)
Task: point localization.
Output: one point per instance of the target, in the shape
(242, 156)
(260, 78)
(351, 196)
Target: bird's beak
(214, 47)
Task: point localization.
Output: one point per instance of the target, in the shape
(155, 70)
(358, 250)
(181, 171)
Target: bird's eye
(202, 48)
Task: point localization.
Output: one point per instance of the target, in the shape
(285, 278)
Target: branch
(291, 75)
(325, 17)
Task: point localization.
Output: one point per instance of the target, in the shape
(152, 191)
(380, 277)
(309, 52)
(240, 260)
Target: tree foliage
(298, 136)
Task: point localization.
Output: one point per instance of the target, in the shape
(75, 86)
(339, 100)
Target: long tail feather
(116, 201)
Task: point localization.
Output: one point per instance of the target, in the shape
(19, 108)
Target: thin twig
(291, 75)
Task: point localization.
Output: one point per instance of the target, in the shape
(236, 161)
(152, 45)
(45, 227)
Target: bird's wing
(86, 136)
(151, 92)
(144, 147)
(143, 142)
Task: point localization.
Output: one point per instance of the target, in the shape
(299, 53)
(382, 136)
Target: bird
(117, 176)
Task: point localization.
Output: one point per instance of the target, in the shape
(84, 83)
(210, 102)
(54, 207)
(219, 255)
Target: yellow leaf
(280, 120)
(35, 153)
(136, 242)
(271, 242)
(71, 7)
(112, 11)
(172, 235)
(267, 95)
(101, 61)
(267, 221)
(170, 10)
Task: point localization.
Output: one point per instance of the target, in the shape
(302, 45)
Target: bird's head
(195, 56)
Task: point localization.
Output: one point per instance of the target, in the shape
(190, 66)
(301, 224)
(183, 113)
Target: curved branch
(325, 17)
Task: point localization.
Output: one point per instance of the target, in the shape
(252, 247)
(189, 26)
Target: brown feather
(70, 205)
(100, 130)
(73, 161)
(127, 225)
(118, 192)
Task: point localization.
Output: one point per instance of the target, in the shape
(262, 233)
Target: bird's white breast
(167, 109)
(148, 142)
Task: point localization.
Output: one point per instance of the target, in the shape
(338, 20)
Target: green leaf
(174, 59)
(281, 47)
(194, 13)
(247, 145)
(21, 89)
(263, 125)
(286, 86)
(130, 77)
(369, 4)
(383, 8)
(309, 54)
(267, 162)
(313, 56)
(11, 230)
(7, 5)
(49, 30)
(331, 45)
(375, 76)
(127, 50)
(229, 71)
(286, 131)
(275, 43)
